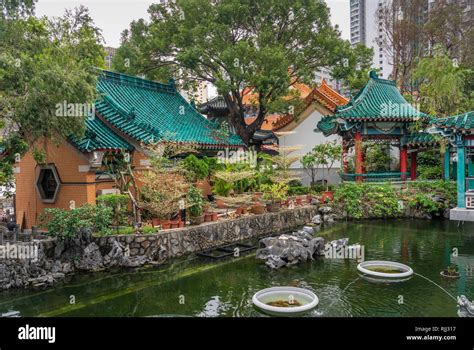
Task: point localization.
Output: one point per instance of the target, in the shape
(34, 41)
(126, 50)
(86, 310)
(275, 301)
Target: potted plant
(275, 194)
(327, 154)
(450, 272)
(257, 208)
(195, 202)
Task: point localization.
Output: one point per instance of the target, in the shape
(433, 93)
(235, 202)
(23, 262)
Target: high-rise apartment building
(367, 30)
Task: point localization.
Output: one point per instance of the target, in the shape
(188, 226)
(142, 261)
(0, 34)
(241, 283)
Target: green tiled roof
(420, 138)
(99, 136)
(379, 99)
(327, 125)
(148, 112)
(463, 121)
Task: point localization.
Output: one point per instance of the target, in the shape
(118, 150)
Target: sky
(113, 16)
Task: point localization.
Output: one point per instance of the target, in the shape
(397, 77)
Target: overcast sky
(113, 16)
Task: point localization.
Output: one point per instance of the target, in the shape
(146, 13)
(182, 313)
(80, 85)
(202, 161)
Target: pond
(196, 287)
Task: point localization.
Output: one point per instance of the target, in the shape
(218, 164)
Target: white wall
(305, 137)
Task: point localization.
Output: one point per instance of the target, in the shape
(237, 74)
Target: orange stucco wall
(77, 186)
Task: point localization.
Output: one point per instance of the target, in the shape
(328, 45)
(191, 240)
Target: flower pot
(174, 224)
(257, 208)
(220, 204)
(327, 195)
(256, 196)
(155, 222)
(273, 207)
(214, 217)
(243, 210)
(299, 201)
(166, 225)
(208, 217)
(181, 224)
(196, 220)
(238, 211)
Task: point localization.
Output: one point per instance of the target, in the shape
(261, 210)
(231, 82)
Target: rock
(325, 210)
(91, 258)
(316, 219)
(328, 218)
(274, 262)
(465, 307)
(308, 229)
(287, 250)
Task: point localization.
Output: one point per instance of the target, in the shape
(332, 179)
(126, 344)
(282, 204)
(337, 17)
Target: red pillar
(413, 165)
(403, 161)
(345, 161)
(358, 155)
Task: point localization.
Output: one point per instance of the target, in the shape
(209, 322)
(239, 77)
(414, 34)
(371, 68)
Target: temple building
(131, 113)
(378, 113)
(458, 131)
(288, 130)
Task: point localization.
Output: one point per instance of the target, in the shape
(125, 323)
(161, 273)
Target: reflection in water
(194, 287)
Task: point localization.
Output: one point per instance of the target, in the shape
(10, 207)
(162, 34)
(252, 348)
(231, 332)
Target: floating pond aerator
(385, 270)
(285, 301)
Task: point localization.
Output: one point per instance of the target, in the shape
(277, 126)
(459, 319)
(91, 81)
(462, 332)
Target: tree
(240, 46)
(310, 166)
(402, 37)
(327, 154)
(43, 64)
(360, 76)
(441, 86)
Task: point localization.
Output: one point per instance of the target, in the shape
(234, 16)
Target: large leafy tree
(43, 63)
(240, 46)
(442, 86)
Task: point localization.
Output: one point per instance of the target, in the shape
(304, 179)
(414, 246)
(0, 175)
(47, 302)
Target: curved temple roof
(457, 123)
(148, 112)
(378, 100)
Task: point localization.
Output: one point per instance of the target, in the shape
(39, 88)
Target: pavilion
(378, 113)
(458, 130)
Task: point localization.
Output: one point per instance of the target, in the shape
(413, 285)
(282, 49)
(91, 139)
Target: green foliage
(213, 164)
(444, 189)
(222, 188)
(118, 203)
(64, 224)
(235, 43)
(195, 201)
(367, 200)
(377, 157)
(360, 76)
(298, 190)
(326, 154)
(430, 166)
(310, 166)
(275, 192)
(45, 63)
(441, 86)
(195, 169)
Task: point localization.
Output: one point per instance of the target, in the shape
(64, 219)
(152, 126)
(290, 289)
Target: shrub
(367, 200)
(195, 169)
(195, 201)
(118, 203)
(64, 224)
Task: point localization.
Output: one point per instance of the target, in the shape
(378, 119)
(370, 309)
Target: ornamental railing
(375, 177)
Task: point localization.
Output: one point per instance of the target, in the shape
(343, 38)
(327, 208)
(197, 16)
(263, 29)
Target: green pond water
(197, 287)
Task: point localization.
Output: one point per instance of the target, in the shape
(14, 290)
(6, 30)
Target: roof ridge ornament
(373, 74)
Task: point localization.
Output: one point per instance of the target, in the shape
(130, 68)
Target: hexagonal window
(48, 183)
